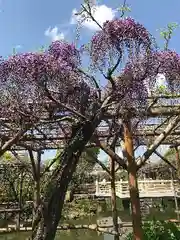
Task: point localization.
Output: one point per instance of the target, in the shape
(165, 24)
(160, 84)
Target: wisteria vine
(28, 77)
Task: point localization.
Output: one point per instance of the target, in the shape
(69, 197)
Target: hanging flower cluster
(25, 78)
(66, 52)
(168, 63)
(147, 68)
(116, 36)
(139, 62)
(60, 59)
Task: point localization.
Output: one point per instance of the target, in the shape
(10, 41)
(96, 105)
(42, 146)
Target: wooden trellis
(49, 134)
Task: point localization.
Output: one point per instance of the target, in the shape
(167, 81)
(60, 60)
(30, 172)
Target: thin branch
(51, 163)
(116, 137)
(41, 132)
(33, 164)
(172, 167)
(111, 153)
(13, 140)
(152, 103)
(111, 71)
(103, 167)
(123, 11)
(99, 162)
(94, 80)
(160, 125)
(61, 119)
(63, 105)
(165, 160)
(118, 168)
(91, 16)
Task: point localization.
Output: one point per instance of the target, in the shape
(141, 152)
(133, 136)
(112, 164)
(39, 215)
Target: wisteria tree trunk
(49, 212)
(133, 184)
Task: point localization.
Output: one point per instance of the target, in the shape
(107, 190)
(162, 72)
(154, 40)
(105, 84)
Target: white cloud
(54, 34)
(101, 13)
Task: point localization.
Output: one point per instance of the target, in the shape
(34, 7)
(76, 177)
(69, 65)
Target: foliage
(124, 9)
(15, 178)
(84, 167)
(167, 32)
(159, 230)
(171, 154)
(7, 156)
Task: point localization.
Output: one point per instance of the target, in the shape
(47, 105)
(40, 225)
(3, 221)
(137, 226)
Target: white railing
(147, 188)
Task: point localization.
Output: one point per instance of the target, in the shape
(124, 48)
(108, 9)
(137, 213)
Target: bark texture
(133, 185)
(49, 212)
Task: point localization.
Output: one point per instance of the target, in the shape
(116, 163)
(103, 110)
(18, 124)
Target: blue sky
(24, 22)
(30, 24)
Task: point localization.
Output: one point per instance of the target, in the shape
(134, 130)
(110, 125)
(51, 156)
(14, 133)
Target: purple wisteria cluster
(141, 62)
(130, 95)
(26, 78)
(66, 52)
(146, 68)
(116, 36)
(168, 63)
(139, 76)
(60, 60)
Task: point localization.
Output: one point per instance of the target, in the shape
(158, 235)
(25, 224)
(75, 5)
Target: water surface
(63, 235)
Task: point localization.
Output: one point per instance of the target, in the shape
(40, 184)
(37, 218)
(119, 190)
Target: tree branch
(33, 164)
(91, 16)
(50, 165)
(111, 153)
(63, 105)
(103, 166)
(123, 11)
(165, 160)
(111, 71)
(13, 140)
(94, 80)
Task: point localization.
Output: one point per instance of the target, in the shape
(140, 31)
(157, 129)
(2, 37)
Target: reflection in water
(66, 235)
(91, 235)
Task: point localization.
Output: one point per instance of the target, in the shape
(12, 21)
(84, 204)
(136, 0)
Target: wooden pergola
(53, 132)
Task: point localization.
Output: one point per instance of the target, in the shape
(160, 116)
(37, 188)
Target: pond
(70, 235)
(91, 235)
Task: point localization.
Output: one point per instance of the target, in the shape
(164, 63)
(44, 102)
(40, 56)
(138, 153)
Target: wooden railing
(147, 188)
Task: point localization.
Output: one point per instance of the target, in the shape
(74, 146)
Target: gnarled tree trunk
(49, 212)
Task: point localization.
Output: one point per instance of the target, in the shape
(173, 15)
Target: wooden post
(113, 198)
(20, 201)
(133, 184)
(36, 200)
(175, 197)
(177, 160)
